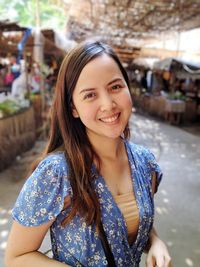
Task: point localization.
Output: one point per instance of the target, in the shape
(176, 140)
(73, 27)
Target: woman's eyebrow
(115, 80)
(86, 90)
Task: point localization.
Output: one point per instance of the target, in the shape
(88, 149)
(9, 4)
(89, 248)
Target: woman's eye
(116, 87)
(89, 96)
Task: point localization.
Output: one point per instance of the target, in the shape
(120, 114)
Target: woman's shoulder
(42, 196)
(140, 152)
(142, 156)
(55, 161)
(137, 148)
(55, 156)
(52, 170)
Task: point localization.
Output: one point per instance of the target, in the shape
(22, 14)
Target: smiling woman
(101, 99)
(93, 188)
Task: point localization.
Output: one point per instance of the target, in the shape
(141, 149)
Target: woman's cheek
(128, 100)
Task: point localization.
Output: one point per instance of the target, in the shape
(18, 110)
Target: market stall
(26, 87)
(174, 91)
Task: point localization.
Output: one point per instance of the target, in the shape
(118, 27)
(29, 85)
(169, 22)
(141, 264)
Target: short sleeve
(42, 196)
(153, 167)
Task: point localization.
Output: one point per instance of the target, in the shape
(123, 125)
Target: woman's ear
(74, 112)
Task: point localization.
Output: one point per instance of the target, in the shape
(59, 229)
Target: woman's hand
(158, 255)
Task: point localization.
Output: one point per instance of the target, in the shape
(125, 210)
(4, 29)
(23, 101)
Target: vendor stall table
(174, 110)
(17, 135)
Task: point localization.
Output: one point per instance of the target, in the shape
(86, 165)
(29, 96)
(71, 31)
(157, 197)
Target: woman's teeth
(110, 119)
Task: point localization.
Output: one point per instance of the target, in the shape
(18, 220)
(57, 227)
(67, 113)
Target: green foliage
(9, 107)
(176, 96)
(52, 13)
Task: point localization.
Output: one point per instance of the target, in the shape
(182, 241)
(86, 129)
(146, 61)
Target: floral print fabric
(42, 198)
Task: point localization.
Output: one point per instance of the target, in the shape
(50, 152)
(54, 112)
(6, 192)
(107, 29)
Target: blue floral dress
(77, 244)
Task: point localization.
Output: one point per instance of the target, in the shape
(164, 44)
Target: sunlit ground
(4, 229)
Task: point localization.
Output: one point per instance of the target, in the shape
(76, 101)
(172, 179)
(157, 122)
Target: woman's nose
(107, 102)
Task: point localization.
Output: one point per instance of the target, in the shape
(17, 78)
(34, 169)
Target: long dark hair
(71, 133)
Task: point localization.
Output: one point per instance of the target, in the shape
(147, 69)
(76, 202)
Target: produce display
(9, 107)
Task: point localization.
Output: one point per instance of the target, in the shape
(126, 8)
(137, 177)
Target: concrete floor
(177, 201)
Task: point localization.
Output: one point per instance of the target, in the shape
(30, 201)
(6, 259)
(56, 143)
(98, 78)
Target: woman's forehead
(102, 67)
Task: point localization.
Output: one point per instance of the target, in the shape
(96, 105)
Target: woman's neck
(108, 149)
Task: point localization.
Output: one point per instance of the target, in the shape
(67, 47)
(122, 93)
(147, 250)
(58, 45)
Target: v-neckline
(134, 187)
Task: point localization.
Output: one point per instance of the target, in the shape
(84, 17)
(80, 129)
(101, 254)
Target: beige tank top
(127, 205)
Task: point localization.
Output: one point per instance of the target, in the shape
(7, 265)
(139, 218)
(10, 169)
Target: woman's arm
(23, 245)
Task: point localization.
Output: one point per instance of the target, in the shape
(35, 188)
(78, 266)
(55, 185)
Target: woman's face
(101, 99)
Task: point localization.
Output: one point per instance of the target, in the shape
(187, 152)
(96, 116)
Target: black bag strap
(106, 247)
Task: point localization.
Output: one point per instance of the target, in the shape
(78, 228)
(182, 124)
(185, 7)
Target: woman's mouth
(110, 119)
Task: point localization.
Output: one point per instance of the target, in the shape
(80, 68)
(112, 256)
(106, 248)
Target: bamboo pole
(39, 55)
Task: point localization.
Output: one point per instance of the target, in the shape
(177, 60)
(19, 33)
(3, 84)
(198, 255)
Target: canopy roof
(129, 25)
(117, 20)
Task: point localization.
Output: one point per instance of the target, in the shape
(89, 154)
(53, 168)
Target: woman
(93, 189)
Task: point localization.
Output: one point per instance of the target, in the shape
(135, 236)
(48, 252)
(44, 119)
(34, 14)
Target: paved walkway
(177, 202)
